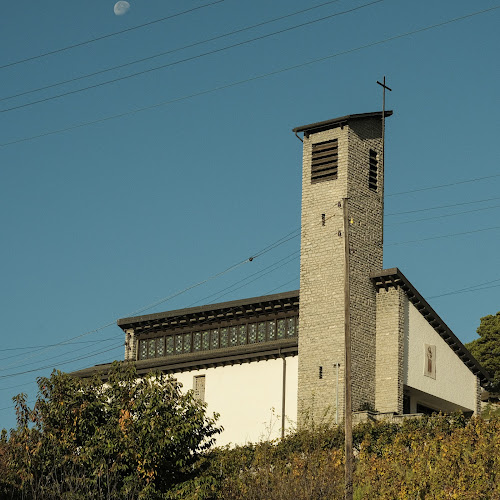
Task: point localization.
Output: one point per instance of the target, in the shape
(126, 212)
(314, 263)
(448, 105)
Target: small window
(252, 333)
(271, 330)
(160, 347)
(143, 349)
(169, 341)
(261, 337)
(187, 342)
(199, 387)
(205, 342)
(224, 337)
(214, 339)
(196, 341)
(233, 336)
(324, 161)
(373, 172)
(281, 328)
(242, 334)
(178, 344)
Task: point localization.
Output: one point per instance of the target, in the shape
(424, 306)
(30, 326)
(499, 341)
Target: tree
(486, 349)
(128, 438)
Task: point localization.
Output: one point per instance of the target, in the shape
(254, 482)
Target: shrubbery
(146, 440)
(433, 458)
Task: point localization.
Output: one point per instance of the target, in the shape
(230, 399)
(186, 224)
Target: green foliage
(129, 438)
(441, 456)
(143, 439)
(486, 349)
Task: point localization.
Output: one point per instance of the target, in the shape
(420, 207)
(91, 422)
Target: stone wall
(389, 376)
(322, 281)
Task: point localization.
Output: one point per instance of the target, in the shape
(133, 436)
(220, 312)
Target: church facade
(269, 363)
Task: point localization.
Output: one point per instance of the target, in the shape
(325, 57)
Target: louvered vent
(324, 161)
(373, 173)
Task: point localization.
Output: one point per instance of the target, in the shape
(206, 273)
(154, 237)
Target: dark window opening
(373, 172)
(320, 372)
(324, 163)
(406, 404)
(425, 409)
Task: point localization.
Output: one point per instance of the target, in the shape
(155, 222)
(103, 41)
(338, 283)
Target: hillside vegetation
(437, 457)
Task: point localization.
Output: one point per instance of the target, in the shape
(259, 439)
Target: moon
(121, 8)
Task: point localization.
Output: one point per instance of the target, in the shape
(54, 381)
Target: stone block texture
(322, 271)
(389, 377)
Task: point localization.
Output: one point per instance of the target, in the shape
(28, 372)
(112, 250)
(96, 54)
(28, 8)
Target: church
(268, 364)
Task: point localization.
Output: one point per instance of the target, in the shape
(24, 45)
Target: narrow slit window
(324, 161)
(199, 387)
(373, 171)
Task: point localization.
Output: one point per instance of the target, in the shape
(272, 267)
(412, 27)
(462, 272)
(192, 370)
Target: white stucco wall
(454, 382)
(248, 398)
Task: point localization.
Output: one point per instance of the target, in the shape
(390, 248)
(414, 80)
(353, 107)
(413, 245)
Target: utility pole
(384, 87)
(347, 365)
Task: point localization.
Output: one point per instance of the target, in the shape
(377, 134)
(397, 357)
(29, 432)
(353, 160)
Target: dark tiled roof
(336, 122)
(222, 310)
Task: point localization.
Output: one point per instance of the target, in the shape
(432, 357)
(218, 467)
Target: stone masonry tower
(342, 158)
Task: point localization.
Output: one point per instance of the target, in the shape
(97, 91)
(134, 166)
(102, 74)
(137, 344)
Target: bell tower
(342, 158)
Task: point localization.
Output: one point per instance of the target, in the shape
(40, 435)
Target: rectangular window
(178, 344)
(224, 337)
(160, 347)
(261, 337)
(196, 341)
(373, 172)
(151, 348)
(169, 344)
(242, 334)
(143, 349)
(205, 340)
(290, 327)
(281, 328)
(187, 342)
(324, 161)
(271, 330)
(199, 387)
(214, 339)
(252, 333)
(233, 336)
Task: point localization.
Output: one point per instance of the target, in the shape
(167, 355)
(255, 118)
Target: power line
(180, 61)
(472, 288)
(247, 80)
(270, 247)
(201, 42)
(443, 206)
(47, 345)
(60, 364)
(17, 365)
(204, 299)
(40, 348)
(281, 286)
(442, 216)
(34, 382)
(445, 185)
(442, 236)
(214, 294)
(109, 35)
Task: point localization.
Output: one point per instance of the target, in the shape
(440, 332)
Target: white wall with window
(433, 369)
(248, 397)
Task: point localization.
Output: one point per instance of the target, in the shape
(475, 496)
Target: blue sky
(101, 220)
